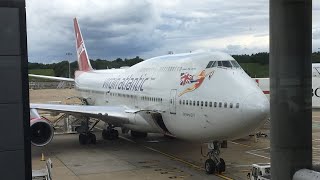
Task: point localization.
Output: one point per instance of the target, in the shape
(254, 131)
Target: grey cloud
(142, 27)
(316, 34)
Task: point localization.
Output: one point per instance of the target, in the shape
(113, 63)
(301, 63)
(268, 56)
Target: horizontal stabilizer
(52, 78)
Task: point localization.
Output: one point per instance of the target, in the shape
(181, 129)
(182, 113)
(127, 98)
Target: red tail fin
(83, 60)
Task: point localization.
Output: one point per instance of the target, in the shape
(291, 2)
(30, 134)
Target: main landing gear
(110, 133)
(87, 138)
(214, 163)
(85, 134)
(137, 134)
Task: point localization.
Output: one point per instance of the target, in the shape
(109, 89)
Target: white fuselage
(264, 84)
(196, 99)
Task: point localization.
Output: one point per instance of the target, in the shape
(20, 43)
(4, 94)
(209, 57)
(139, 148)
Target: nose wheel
(214, 164)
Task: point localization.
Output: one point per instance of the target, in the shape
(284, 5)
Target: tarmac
(154, 157)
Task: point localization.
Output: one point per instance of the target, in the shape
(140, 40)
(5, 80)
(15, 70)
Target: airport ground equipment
(43, 174)
(260, 171)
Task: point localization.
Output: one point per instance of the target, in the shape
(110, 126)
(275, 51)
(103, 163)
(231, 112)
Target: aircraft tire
(209, 166)
(83, 139)
(92, 138)
(110, 134)
(105, 134)
(222, 166)
(136, 134)
(115, 134)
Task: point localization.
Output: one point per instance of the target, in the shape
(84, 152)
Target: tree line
(250, 63)
(61, 69)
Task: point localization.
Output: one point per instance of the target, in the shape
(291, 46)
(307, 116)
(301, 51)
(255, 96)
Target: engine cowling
(41, 132)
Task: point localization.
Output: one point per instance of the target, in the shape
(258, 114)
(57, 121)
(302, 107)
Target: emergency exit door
(172, 101)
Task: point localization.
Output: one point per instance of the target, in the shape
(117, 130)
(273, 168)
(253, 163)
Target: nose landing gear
(214, 163)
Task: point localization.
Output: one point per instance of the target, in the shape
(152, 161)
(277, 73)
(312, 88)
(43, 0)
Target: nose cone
(256, 110)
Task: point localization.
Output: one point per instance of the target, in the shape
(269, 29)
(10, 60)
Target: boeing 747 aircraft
(200, 96)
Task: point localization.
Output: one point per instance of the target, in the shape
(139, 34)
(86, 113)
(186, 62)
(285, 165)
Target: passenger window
(231, 105)
(183, 102)
(206, 104)
(197, 103)
(201, 103)
(180, 101)
(220, 104)
(237, 105)
(226, 64)
(210, 104)
(225, 105)
(219, 63)
(215, 104)
(186, 102)
(210, 64)
(190, 103)
(194, 103)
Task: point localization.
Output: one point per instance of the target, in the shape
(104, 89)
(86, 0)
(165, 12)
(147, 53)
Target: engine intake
(41, 132)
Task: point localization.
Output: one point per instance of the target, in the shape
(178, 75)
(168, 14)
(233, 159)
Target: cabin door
(172, 101)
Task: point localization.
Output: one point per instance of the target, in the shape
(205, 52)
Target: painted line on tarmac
(175, 158)
(257, 155)
(251, 152)
(239, 144)
(260, 149)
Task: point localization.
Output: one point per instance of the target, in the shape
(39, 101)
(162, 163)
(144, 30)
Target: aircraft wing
(52, 78)
(116, 115)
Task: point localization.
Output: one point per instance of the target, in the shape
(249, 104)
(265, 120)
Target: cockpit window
(235, 64)
(226, 64)
(210, 64)
(214, 64)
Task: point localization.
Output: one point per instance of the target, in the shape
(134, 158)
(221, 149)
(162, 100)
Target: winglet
(83, 60)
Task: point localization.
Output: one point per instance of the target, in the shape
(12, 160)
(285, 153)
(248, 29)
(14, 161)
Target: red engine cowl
(41, 132)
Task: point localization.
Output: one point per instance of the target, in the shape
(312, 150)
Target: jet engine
(41, 132)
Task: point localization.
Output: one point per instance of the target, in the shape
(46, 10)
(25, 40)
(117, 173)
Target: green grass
(256, 69)
(46, 72)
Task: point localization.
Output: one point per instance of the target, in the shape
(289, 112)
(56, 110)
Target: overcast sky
(148, 28)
